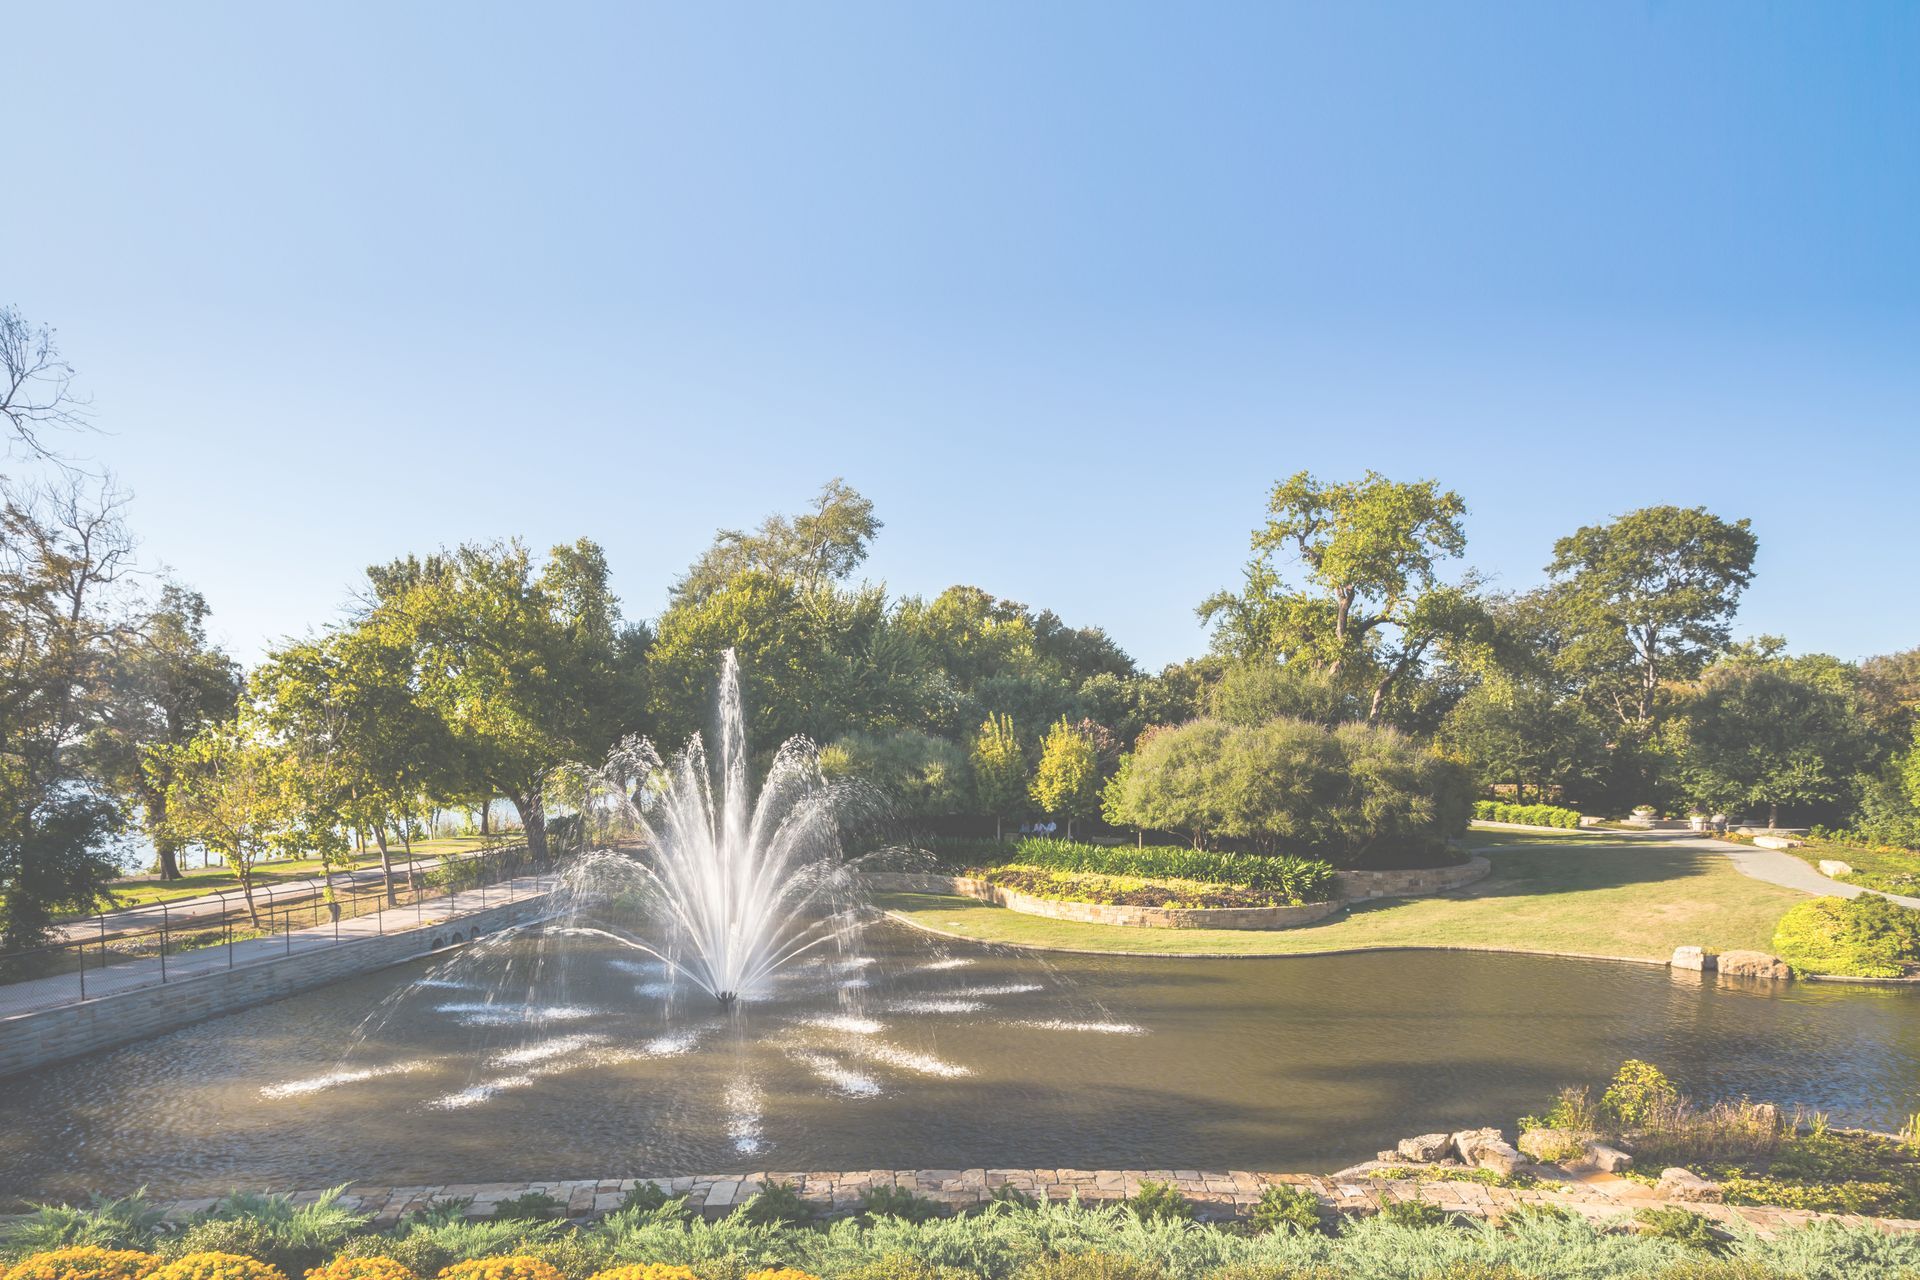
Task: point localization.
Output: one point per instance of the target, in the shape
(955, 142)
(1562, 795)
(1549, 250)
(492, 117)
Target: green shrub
(1640, 1094)
(272, 1229)
(779, 1202)
(1296, 879)
(1091, 1266)
(897, 1202)
(1415, 1212)
(1007, 1193)
(1682, 1226)
(1284, 1208)
(647, 1198)
(1531, 815)
(1863, 937)
(127, 1222)
(1159, 1201)
(1721, 1269)
(533, 1206)
(904, 1266)
(576, 1255)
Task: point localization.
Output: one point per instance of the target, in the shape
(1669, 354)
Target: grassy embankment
(1572, 893)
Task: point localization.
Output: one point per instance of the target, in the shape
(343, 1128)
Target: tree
(787, 661)
(999, 769)
(528, 668)
(166, 682)
(1515, 731)
(231, 790)
(1066, 780)
(36, 386)
(63, 552)
(347, 703)
(919, 775)
(1647, 599)
(1756, 733)
(1890, 695)
(819, 547)
(1368, 606)
(1259, 690)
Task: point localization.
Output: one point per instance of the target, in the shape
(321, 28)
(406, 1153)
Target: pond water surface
(574, 1057)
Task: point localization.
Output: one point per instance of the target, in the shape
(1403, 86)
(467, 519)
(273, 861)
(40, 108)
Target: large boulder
(1606, 1159)
(1692, 958)
(1688, 1186)
(1486, 1149)
(1754, 964)
(1426, 1148)
(1835, 868)
(1553, 1146)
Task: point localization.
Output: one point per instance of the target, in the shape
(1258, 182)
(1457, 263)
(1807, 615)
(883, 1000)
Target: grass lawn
(1881, 867)
(141, 890)
(1578, 894)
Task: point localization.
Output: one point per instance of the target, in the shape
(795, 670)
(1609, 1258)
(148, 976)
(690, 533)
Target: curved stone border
(1217, 1195)
(1104, 913)
(1355, 885)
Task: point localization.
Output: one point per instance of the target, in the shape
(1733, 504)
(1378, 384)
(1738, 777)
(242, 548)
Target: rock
(1692, 958)
(1835, 868)
(1426, 1148)
(1606, 1159)
(1553, 1146)
(1486, 1149)
(1778, 842)
(1688, 1186)
(1754, 964)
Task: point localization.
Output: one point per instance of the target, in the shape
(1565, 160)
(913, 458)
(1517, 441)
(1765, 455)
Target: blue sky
(1063, 287)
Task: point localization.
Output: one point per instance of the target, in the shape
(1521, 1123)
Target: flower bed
(1131, 891)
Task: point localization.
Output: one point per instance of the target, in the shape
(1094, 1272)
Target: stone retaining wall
(1353, 885)
(29, 1040)
(1216, 1195)
(1414, 883)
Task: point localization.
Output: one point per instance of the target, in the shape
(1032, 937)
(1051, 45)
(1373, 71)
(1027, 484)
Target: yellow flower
(511, 1267)
(84, 1262)
(217, 1266)
(645, 1271)
(781, 1273)
(362, 1269)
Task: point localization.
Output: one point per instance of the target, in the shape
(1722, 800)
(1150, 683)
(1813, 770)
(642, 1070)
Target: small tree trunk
(168, 854)
(386, 861)
(486, 808)
(533, 817)
(1773, 816)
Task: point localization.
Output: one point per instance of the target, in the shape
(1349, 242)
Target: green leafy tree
(1889, 696)
(529, 668)
(1761, 734)
(166, 682)
(1514, 731)
(920, 775)
(1259, 690)
(235, 792)
(999, 769)
(821, 546)
(1066, 780)
(1365, 605)
(1646, 600)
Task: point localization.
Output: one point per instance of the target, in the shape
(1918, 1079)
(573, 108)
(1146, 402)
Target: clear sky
(1063, 287)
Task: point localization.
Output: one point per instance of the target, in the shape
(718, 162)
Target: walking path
(1775, 866)
(1217, 1195)
(64, 989)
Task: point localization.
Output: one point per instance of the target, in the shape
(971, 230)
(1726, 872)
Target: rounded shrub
(515, 1266)
(84, 1262)
(212, 1265)
(373, 1268)
(904, 1266)
(654, 1271)
(1863, 937)
(1092, 1265)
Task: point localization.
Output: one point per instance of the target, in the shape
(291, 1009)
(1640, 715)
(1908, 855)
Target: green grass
(144, 890)
(1577, 894)
(1880, 867)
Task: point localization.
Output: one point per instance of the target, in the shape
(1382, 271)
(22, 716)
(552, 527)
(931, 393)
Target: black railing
(143, 945)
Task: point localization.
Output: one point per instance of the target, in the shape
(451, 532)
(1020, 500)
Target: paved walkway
(1775, 866)
(64, 989)
(1217, 1195)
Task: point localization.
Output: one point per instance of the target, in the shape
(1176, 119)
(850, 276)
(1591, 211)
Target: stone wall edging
(1355, 885)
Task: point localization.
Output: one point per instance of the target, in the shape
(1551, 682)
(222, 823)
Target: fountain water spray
(735, 885)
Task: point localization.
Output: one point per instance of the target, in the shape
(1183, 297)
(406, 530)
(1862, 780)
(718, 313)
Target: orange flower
(511, 1267)
(84, 1262)
(362, 1269)
(217, 1266)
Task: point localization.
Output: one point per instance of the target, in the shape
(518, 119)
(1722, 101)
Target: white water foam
(908, 1060)
(314, 1084)
(1004, 989)
(921, 1005)
(845, 1079)
(744, 1103)
(845, 1022)
(1101, 1028)
(541, 1051)
(481, 1014)
(951, 962)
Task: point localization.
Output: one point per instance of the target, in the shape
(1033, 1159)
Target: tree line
(1358, 688)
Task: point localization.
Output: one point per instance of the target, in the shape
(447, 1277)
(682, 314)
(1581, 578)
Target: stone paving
(1217, 1195)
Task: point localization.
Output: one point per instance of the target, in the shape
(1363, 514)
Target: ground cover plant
(1877, 864)
(1132, 891)
(1297, 879)
(1040, 1242)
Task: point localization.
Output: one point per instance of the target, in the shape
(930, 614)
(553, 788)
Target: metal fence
(149, 944)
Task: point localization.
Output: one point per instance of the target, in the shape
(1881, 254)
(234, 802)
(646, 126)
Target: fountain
(730, 886)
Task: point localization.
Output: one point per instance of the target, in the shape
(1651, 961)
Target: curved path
(1775, 866)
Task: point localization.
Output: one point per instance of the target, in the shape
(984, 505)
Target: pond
(573, 1057)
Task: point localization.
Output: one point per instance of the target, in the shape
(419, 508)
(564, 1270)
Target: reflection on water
(575, 1060)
